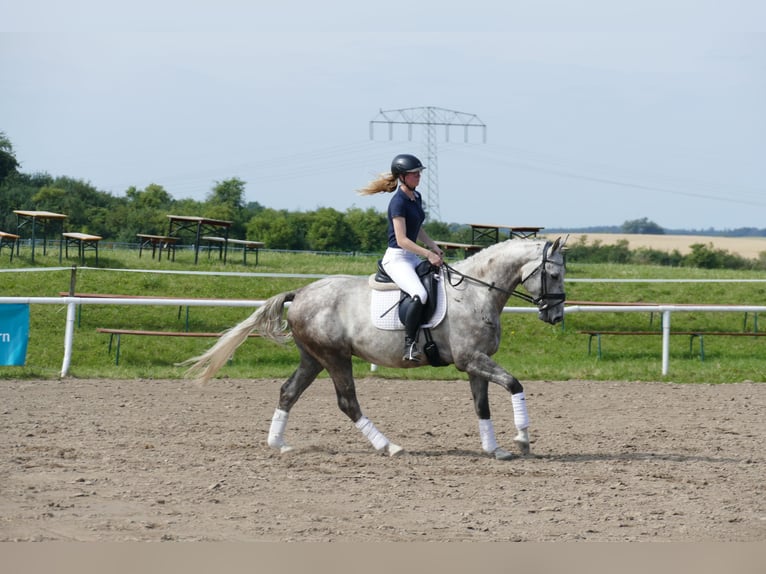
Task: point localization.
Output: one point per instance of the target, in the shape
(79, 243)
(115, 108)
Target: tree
(369, 227)
(230, 192)
(51, 198)
(277, 229)
(642, 226)
(142, 211)
(329, 231)
(153, 197)
(8, 163)
(437, 230)
(227, 201)
(85, 206)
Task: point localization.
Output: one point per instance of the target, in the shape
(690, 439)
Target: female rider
(405, 229)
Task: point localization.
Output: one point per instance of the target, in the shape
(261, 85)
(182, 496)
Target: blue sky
(597, 112)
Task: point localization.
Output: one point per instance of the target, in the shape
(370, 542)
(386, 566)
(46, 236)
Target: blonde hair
(387, 182)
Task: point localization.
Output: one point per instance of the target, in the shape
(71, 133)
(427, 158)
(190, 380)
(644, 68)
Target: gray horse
(330, 321)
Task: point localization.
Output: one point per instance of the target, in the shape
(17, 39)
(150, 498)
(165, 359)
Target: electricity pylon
(430, 118)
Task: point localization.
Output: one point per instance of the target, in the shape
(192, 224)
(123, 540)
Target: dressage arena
(167, 460)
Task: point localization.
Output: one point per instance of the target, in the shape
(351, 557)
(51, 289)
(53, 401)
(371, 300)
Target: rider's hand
(435, 259)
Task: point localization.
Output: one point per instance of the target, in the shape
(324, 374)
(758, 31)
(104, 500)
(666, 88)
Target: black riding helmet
(405, 163)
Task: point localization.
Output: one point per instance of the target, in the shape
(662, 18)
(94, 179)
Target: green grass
(530, 349)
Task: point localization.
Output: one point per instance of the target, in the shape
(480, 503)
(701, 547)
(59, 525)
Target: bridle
(543, 302)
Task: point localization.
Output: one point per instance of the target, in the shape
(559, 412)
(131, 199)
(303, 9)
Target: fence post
(665, 341)
(68, 338)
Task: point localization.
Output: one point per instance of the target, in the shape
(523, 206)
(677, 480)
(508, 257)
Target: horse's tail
(267, 320)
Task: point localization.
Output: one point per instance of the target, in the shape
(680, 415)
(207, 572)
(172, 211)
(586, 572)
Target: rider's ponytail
(386, 182)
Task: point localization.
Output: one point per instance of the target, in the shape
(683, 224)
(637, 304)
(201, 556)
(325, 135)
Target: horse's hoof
(502, 454)
(394, 449)
(284, 449)
(522, 441)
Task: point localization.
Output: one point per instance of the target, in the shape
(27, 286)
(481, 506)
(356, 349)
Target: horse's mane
(498, 254)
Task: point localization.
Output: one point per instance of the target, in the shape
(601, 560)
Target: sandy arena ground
(140, 460)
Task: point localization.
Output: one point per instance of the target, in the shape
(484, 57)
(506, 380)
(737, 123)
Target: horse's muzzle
(551, 313)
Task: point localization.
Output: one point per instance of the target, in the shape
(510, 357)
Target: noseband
(543, 302)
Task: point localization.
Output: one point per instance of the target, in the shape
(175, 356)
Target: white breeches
(400, 266)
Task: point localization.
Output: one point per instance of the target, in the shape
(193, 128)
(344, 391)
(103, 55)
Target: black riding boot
(411, 317)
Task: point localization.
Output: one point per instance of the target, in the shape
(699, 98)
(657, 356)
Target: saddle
(429, 277)
(433, 313)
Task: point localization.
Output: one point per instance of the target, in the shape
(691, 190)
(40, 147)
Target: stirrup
(411, 352)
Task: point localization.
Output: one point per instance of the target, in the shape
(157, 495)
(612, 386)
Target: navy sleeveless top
(412, 211)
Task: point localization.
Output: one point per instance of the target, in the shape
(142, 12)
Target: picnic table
(83, 242)
(35, 220)
(9, 240)
(199, 226)
(490, 233)
(466, 248)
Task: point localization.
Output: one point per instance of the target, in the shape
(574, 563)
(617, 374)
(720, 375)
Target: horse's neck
(500, 264)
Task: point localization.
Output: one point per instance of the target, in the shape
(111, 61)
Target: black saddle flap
(427, 273)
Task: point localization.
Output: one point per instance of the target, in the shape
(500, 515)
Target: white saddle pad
(384, 310)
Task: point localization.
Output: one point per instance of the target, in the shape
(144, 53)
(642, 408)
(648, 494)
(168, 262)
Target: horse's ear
(556, 245)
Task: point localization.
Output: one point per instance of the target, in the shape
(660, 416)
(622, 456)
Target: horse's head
(543, 278)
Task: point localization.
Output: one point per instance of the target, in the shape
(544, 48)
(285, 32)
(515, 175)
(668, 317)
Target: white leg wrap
(276, 438)
(487, 434)
(378, 440)
(520, 416)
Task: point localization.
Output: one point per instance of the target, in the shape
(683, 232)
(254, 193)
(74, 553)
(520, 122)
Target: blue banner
(14, 333)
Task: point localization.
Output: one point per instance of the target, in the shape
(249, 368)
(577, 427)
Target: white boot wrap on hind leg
(277, 429)
(378, 440)
(487, 434)
(520, 416)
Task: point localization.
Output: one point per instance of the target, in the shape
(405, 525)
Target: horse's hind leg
(291, 391)
(341, 372)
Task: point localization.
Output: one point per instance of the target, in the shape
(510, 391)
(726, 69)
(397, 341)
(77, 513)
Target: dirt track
(106, 460)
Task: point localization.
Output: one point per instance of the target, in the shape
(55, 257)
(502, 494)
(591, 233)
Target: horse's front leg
(480, 393)
(481, 370)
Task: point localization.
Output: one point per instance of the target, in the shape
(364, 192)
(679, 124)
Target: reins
(491, 286)
(544, 297)
(463, 276)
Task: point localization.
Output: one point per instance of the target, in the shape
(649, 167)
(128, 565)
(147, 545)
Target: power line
(430, 118)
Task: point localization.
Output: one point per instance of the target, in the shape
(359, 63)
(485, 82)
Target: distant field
(749, 247)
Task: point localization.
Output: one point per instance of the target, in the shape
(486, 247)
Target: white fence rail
(666, 311)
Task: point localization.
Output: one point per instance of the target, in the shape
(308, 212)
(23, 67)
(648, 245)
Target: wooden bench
(157, 242)
(467, 248)
(222, 244)
(700, 335)
(8, 239)
(248, 245)
(119, 332)
(83, 241)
